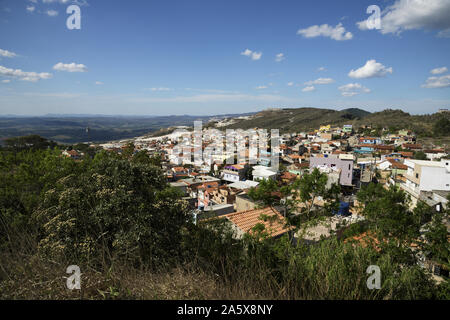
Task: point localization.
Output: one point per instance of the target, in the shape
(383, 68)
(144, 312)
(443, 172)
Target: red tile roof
(246, 220)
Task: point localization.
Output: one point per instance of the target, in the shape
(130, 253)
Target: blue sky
(215, 57)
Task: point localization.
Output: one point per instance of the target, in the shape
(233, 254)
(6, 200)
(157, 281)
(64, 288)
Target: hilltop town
(218, 184)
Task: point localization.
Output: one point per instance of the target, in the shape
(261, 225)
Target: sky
(212, 57)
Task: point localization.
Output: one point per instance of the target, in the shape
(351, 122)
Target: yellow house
(325, 128)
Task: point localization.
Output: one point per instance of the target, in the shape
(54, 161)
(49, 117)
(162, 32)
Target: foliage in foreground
(131, 235)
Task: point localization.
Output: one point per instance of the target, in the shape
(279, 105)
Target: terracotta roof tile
(246, 220)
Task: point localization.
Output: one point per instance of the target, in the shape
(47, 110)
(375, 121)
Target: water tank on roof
(344, 209)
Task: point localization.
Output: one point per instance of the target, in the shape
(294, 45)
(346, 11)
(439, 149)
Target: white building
(425, 175)
(263, 173)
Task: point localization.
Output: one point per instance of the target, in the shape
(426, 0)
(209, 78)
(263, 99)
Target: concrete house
(345, 164)
(422, 176)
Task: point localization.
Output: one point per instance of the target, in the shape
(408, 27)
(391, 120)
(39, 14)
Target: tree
(34, 142)
(420, 155)
(113, 209)
(267, 192)
(313, 186)
(442, 127)
(437, 246)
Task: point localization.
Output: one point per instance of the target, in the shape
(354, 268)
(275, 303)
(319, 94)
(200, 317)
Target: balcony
(415, 192)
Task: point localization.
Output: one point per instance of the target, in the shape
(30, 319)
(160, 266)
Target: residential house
(250, 221)
(342, 162)
(424, 175)
(205, 193)
(72, 154)
(370, 140)
(347, 128)
(244, 203)
(263, 173)
(435, 154)
(234, 172)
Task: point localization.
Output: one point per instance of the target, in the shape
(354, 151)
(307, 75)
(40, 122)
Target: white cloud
(352, 89)
(370, 70)
(7, 54)
(261, 87)
(77, 2)
(99, 83)
(70, 67)
(252, 54)
(31, 8)
(160, 89)
(53, 94)
(437, 82)
(52, 1)
(52, 13)
(308, 89)
(336, 33)
(23, 75)
(415, 14)
(290, 84)
(279, 57)
(6, 81)
(322, 69)
(439, 70)
(320, 81)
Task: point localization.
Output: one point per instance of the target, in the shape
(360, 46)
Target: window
(417, 175)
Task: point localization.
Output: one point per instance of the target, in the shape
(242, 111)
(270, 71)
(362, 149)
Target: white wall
(434, 178)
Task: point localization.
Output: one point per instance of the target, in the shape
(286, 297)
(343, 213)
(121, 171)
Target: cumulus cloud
(279, 57)
(371, 69)
(99, 83)
(322, 69)
(415, 14)
(437, 82)
(308, 89)
(352, 89)
(320, 81)
(290, 84)
(261, 87)
(7, 54)
(70, 67)
(252, 54)
(31, 8)
(23, 75)
(439, 70)
(337, 33)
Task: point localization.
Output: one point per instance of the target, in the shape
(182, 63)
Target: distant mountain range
(73, 128)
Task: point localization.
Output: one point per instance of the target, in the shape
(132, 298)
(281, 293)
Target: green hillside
(304, 119)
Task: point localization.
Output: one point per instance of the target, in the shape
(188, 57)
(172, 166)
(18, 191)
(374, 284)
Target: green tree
(420, 155)
(442, 127)
(114, 209)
